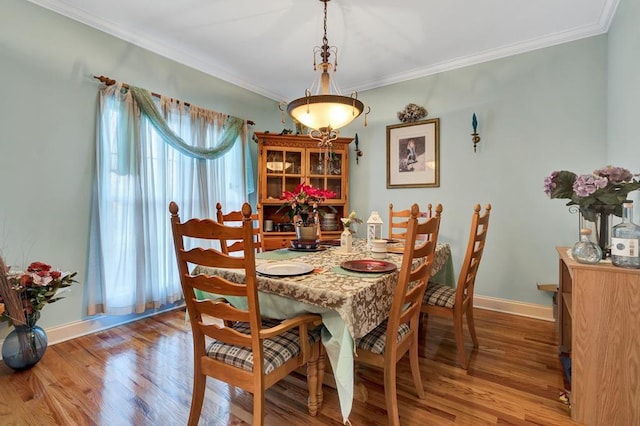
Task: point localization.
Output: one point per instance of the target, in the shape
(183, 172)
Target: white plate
(284, 269)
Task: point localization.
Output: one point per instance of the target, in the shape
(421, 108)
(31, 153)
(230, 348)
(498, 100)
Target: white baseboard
(82, 328)
(513, 307)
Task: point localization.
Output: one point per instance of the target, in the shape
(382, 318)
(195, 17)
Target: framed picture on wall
(413, 151)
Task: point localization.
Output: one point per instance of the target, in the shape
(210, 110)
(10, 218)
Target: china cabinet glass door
(325, 171)
(284, 168)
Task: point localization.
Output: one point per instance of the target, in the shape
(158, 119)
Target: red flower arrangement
(34, 288)
(303, 202)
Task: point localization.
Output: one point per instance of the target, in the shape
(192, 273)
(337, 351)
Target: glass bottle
(625, 242)
(585, 250)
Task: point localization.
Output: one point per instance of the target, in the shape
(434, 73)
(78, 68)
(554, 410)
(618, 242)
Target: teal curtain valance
(233, 128)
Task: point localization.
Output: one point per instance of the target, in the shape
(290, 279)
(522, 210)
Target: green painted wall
(624, 87)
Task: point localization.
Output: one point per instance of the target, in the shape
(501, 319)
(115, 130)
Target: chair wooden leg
(312, 380)
(424, 321)
(258, 407)
(390, 394)
(415, 367)
(199, 387)
(472, 327)
(422, 327)
(459, 331)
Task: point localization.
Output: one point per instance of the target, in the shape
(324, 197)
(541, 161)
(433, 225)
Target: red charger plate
(368, 265)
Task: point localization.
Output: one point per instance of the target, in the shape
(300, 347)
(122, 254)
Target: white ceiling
(266, 46)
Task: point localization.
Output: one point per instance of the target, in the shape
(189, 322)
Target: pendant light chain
(325, 50)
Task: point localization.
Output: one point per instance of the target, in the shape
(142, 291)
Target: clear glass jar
(585, 250)
(625, 242)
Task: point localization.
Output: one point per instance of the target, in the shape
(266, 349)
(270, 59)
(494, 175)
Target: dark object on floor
(565, 360)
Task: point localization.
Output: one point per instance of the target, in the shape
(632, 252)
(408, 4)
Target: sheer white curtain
(132, 266)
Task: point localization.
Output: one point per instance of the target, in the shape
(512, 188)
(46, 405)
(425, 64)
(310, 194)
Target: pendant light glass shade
(325, 111)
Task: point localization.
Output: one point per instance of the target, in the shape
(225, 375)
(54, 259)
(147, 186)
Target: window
(132, 266)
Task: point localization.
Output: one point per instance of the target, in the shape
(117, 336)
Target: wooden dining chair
(454, 303)
(235, 218)
(398, 221)
(238, 347)
(392, 339)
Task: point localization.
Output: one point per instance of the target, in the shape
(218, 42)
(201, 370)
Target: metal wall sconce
(358, 151)
(475, 137)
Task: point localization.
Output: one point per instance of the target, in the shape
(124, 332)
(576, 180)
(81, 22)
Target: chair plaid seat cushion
(277, 350)
(374, 341)
(439, 295)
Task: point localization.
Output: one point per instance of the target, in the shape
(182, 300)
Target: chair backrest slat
(226, 334)
(220, 309)
(211, 257)
(215, 285)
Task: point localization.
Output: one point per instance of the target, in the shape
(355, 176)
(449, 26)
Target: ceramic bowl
(305, 245)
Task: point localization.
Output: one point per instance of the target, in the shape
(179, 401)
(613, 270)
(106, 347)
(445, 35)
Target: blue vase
(24, 347)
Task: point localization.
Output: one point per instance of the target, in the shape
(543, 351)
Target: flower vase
(601, 226)
(306, 232)
(24, 347)
(346, 240)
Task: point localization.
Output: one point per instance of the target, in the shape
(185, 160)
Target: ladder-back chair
(455, 303)
(398, 221)
(390, 341)
(234, 218)
(239, 347)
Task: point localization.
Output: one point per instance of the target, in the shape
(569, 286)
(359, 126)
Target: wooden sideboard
(599, 323)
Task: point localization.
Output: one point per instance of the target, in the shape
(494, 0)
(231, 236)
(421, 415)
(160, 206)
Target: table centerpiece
(301, 206)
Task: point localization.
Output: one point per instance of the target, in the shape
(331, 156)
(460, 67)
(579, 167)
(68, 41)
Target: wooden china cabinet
(285, 161)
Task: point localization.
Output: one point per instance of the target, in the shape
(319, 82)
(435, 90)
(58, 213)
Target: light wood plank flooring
(140, 374)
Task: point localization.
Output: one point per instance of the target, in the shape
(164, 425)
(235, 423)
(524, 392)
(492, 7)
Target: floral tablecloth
(362, 300)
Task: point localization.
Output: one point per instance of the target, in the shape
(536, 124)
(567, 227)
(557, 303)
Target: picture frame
(413, 154)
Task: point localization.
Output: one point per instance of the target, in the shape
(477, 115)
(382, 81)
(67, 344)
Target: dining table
(351, 301)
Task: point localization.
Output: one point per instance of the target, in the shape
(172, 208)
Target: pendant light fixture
(325, 112)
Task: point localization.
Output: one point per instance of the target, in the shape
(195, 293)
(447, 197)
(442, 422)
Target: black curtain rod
(109, 82)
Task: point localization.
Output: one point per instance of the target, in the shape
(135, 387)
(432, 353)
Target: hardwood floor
(140, 374)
